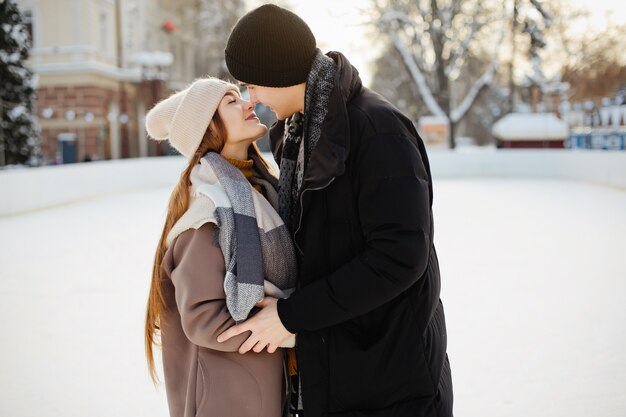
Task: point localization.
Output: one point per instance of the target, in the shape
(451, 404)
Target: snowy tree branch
(458, 58)
(417, 76)
(547, 17)
(460, 53)
(397, 16)
(486, 79)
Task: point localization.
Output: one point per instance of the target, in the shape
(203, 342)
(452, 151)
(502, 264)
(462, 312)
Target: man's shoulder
(371, 110)
(367, 102)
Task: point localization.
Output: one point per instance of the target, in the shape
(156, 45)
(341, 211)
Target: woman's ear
(212, 126)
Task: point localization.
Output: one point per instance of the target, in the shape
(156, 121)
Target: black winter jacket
(371, 329)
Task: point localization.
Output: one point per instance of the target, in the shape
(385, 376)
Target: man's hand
(266, 327)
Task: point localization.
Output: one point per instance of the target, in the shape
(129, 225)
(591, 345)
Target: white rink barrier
(27, 189)
(36, 188)
(594, 166)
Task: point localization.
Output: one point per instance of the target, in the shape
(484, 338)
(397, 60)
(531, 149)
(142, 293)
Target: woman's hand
(266, 327)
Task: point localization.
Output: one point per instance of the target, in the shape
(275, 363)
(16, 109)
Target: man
(355, 189)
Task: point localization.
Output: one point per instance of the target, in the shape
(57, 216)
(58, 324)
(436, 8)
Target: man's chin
(282, 117)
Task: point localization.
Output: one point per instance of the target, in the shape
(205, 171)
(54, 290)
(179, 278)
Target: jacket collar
(329, 156)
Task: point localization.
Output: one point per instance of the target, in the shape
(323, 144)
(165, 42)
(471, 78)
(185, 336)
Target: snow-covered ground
(533, 277)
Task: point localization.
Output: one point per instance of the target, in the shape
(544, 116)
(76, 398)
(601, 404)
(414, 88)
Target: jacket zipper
(302, 208)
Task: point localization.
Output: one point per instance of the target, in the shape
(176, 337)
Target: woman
(223, 248)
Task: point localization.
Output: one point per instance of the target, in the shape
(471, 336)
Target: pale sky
(338, 25)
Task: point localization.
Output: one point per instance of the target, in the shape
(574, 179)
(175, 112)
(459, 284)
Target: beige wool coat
(203, 377)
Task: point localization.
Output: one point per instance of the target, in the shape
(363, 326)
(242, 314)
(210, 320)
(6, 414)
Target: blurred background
(79, 76)
(522, 106)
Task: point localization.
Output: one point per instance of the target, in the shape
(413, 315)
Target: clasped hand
(266, 327)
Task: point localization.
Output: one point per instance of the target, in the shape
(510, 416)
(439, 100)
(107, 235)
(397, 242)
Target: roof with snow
(530, 126)
(433, 120)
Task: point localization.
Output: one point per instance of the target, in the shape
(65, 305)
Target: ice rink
(533, 282)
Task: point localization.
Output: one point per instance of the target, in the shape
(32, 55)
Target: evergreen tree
(19, 135)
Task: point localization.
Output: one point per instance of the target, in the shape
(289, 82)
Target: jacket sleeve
(198, 278)
(394, 208)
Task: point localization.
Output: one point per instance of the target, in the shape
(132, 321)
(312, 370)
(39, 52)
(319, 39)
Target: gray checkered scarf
(302, 134)
(257, 246)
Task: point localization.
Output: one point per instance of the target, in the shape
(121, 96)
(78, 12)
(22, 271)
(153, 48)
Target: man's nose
(249, 105)
(253, 97)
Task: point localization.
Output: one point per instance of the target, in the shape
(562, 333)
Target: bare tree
(592, 61)
(530, 23)
(214, 20)
(598, 69)
(435, 40)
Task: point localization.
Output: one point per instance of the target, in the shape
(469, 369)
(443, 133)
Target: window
(104, 47)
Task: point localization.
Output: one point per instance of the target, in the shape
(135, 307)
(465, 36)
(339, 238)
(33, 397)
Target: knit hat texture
(271, 47)
(184, 117)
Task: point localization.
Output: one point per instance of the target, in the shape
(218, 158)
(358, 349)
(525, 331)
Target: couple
(314, 294)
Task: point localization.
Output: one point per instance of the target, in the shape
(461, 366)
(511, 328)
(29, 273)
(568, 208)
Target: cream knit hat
(184, 117)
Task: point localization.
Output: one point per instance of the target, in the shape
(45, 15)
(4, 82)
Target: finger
(248, 344)
(263, 302)
(258, 348)
(271, 348)
(232, 332)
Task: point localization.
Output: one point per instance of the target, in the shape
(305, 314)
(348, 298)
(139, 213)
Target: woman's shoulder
(201, 211)
(202, 240)
(203, 237)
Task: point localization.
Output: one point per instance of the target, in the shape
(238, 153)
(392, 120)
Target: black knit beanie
(271, 47)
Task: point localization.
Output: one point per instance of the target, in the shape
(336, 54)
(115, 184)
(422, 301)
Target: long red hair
(212, 141)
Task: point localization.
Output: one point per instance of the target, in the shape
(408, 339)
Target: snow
(75, 182)
(9, 59)
(485, 80)
(72, 305)
(532, 282)
(453, 70)
(533, 287)
(16, 112)
(530, 126)
(20, 35)
(392, 21)
(418, 77)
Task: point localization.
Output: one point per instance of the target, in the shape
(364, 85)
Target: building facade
(100, 65)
